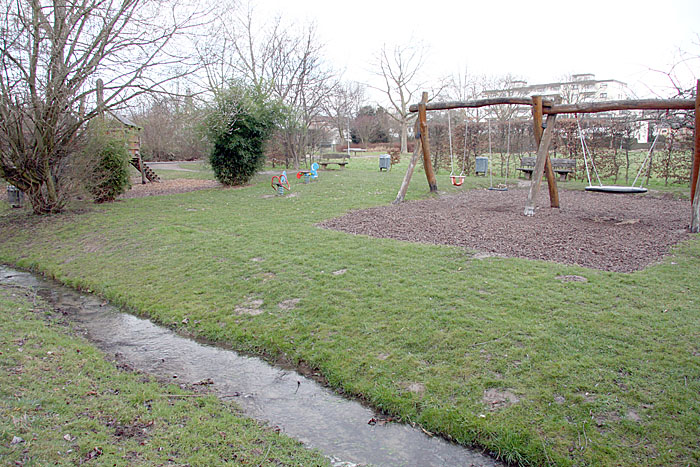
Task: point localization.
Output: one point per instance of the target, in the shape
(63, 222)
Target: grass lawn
(62, 403)
(603, 372)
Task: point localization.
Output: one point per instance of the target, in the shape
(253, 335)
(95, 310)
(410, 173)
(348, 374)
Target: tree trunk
(404, 137)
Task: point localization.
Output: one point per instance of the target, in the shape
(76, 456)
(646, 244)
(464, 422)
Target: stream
(299, 406)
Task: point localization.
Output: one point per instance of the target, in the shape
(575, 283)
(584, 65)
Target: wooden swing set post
(411, 166)
(694, 179)
(542, 152)
(423, 119)
(537, 112)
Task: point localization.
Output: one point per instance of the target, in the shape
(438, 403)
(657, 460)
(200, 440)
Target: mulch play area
(611, 232)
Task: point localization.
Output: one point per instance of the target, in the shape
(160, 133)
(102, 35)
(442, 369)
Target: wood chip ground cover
(601, 231)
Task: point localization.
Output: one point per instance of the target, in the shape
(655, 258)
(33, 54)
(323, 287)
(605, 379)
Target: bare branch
(53, 51)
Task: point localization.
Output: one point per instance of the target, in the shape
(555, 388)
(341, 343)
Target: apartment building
(580, 88)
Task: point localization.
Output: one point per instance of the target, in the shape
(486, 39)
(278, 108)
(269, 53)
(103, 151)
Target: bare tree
(172, 128)
(304, 83)
(464, 86)
(52, 52)
(399, 68)
(506, 85)
(683, 73)
(364, 125)
(343, 104)
(279, 61)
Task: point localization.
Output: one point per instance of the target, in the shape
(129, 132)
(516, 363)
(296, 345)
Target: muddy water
(301, 407)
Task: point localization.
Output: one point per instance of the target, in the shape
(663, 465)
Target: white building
(580, 88)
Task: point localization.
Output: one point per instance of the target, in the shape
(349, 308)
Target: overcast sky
(538, 41)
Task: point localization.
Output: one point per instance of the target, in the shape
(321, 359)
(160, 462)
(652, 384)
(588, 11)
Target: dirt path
(621, 233)
(170, 165)
(167, 187)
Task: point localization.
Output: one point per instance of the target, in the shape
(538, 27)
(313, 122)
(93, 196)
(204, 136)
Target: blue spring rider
(309, 174)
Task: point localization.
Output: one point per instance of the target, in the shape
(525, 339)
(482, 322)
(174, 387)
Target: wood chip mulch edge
(621, 233)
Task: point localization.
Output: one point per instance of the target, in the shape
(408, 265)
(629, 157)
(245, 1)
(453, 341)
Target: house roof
(123, 120)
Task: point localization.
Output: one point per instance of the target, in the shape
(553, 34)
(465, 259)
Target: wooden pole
(537, 118)
(423, 119)
(472, 104)
(696, 154)
(537, 110)
(411, 165)
(542, 151)
(694, 179)
(551, 108)
(695, 217)
(630, 104)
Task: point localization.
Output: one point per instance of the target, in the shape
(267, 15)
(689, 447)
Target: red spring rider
(280, 183)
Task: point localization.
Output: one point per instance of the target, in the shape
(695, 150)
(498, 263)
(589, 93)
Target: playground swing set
(543, 133)
(610, 188)
(501, 186)
(458, 180)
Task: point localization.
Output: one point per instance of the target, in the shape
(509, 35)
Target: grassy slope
(69, 405)
(606, 372)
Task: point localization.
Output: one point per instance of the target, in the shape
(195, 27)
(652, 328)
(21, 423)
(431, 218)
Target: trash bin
(482, 165)
(384, 162)
(14, 196)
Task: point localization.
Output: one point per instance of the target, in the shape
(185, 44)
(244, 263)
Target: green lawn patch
(496, 352)
(62, 403)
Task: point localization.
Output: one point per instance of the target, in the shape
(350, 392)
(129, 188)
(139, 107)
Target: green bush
(240, 125)
(109, 176)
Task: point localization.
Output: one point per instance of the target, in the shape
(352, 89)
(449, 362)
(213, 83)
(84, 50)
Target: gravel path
(620, 233)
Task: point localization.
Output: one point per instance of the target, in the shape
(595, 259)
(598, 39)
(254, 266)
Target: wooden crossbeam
(583, 107)
(630, 104)
(473, 104)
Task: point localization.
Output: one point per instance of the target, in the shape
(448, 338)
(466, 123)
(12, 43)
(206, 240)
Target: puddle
(301, 407)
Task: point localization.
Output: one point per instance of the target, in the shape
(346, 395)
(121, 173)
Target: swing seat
(616, 189)
(457, 180)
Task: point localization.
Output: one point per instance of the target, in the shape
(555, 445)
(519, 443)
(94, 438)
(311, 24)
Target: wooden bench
(562, 167)
(340, 159)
